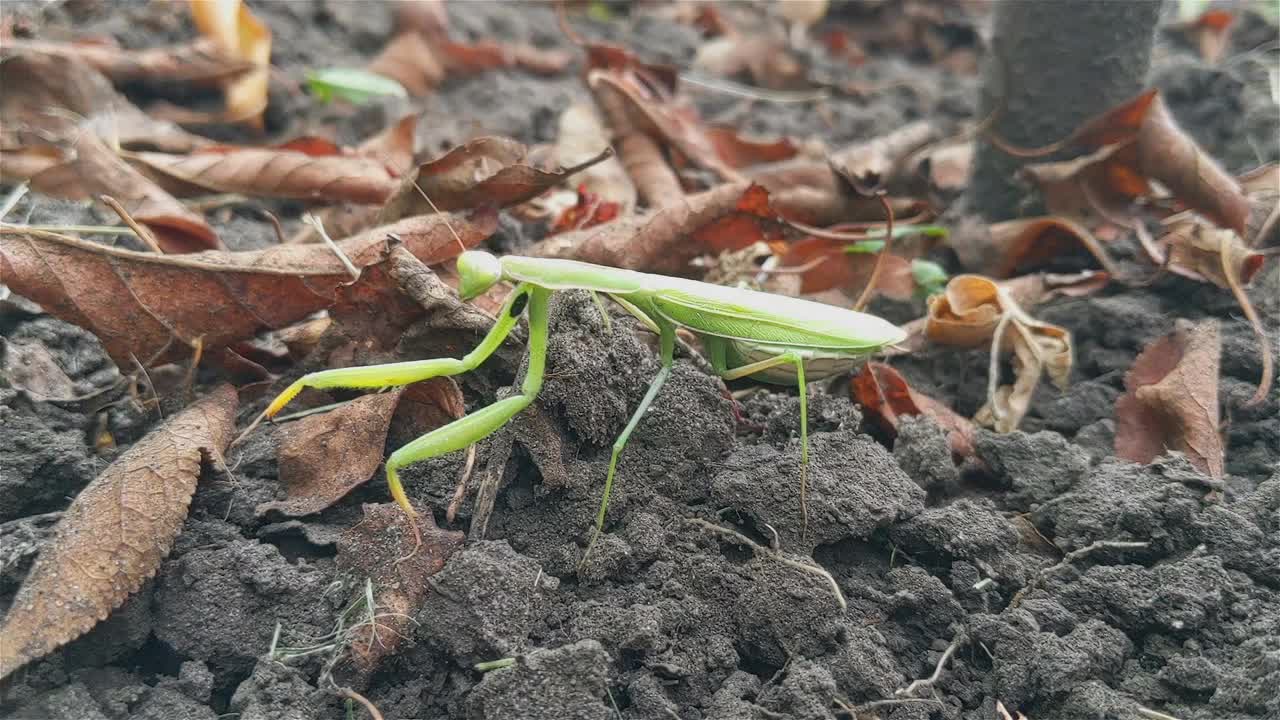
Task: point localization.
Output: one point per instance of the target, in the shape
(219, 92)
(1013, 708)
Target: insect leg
(404, 373)
(668, 340)
(798, 361)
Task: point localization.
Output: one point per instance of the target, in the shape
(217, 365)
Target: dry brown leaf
(42, 93)
(323, 457)
(730, 217)
(420, 62)
(374, 550)
(975, 311)
(886, 396)
(1013, 247)
(486, 171)
(740, 151)
(268, 172)
(1153, 146)
(195, 62)
(1172, 399)
(154, 308)
(238, 34)
(428, 18)
(879, 162)
(1194, 251)
(115, 533)
(827, 266)
(763, 56)
(1100, 186)
(90, 169)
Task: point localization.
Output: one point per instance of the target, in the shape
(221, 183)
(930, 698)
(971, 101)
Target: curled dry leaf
(288, 172)
(41, 91)
(115, 533)
(1209, 33)
(487, 171)
(730, 217)
(1098, 187)
(1171, 401)
(195, 62)
(975, 311)
(886, 396)
(238, 34)
(374, 550)
(154, 308)
(323, 457)
(90, 169)
(881, 161)
(1012, 247)
(420, 62)
(1151, 145)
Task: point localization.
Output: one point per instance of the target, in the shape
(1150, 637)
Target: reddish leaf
(115, 533)
(485, 171)
(729, 217)
(420, 62)
(740, 151)
(886, 397)
(1012, 247)
(1172, 399)
(153, 307)
(828, 266)
(237, 33)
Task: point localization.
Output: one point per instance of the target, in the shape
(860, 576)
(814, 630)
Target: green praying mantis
(745, 333)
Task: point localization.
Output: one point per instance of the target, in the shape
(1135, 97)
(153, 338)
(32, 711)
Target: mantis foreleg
(667, 334)
(405, 373)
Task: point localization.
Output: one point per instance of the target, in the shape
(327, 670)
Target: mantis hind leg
(668, 341)
(798, 361)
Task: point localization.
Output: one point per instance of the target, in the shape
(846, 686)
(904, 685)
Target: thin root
(759, 549)
(937, 670)
(364, 701)
(1071, 557)
(1264, 383)
(869, 291)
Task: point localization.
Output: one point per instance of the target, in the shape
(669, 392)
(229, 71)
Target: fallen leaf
(420, 62)
(269, 172)
(975, 311)
(41, 91)
(194, 63)
(90, 169)
(1098, 187)
(154, 307)
(886, 396)
(1171, 401)
(589, 210)
(762, 56)
(115, 533)
(826, 266)
(740, 151)
(323, 457)
(1012, 247)
(879, 162)
(237, 33)
(28, 366)
(373, 551)
(486, 171)
(729, 217)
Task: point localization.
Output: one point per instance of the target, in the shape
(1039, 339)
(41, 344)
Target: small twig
(870, 289)
(776, 555)
(937, 670)
(275, 224)
(1071, 557)
(11, 200)
(318, 226)
(368, 706)
(562, 18)
(82, 229)
(144, 233)
(1264, 383)
(460, 492)
(890, 703)
(1154, 714)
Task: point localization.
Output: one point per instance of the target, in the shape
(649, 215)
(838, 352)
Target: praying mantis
(745, 333)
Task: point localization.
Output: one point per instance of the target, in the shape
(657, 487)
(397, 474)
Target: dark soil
(667, 618)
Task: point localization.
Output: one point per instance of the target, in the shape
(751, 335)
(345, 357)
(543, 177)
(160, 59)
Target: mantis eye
(478, 272)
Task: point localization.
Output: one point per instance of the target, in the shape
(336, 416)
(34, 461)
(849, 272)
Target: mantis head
(478, 271)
